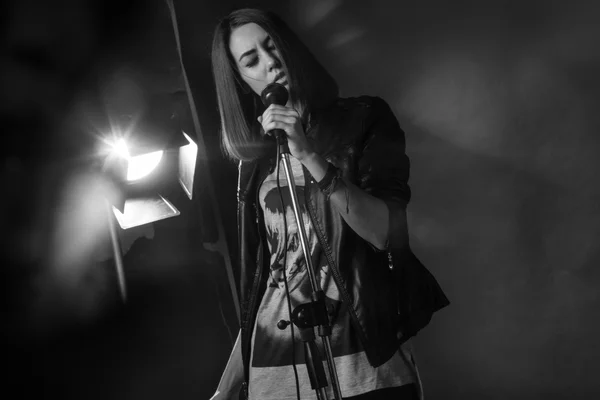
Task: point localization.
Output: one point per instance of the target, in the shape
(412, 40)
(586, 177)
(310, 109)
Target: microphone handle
(278, 134)
(281, 139)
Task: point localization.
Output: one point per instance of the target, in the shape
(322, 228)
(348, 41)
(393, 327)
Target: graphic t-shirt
(271, 372)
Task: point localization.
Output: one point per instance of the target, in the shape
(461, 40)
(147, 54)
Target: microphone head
(274, 93)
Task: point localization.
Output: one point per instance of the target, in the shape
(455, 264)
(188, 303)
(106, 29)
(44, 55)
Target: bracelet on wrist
(330, 182)
(330, 174)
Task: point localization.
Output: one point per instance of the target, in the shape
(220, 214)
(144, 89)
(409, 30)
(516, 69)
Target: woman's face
(257, 58)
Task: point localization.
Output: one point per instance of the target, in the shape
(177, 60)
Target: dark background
(499, 103)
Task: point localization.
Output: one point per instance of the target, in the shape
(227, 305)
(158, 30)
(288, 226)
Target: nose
(272, 61)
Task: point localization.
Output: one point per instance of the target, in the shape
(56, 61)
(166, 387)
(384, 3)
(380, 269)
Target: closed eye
(268, 45)
(252, 62)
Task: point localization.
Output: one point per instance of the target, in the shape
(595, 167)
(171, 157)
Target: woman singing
(350, 172)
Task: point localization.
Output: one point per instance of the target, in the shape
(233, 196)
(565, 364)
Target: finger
(280, 110)
(290, 117)
(275, 108)
(286, 119)
(284, 114)
(277, 125)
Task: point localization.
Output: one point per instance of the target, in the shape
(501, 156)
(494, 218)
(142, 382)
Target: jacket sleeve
(384, 167)
(384, 172)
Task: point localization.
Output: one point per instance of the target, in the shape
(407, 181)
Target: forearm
(367, 215)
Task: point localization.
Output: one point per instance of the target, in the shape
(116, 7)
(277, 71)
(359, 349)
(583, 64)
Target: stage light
(143, 176)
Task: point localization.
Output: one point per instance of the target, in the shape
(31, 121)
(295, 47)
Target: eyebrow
(251, 51)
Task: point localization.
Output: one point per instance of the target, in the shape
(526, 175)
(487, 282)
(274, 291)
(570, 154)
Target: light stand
(117, 252)
(307, 316)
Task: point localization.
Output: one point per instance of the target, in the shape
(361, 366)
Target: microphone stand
(307, 316)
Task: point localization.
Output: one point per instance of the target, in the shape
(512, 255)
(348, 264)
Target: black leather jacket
(389, 293)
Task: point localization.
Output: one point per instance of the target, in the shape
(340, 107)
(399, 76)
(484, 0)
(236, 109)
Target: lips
(279, 76)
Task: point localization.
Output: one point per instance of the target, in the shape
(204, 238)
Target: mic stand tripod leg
(314, 363)
(331, 365)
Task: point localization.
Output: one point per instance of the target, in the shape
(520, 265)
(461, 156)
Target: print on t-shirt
(274, 304)
(275, 226)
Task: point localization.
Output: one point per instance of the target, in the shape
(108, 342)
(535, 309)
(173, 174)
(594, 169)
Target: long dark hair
(311, 86)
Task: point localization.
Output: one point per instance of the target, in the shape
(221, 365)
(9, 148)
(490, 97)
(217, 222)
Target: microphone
(275, 93)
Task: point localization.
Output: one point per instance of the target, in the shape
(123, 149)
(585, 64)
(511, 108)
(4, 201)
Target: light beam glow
(121, 148)
(142, 165)
(138, 166)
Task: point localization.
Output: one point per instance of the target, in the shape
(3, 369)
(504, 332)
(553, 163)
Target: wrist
(306, 156)
(316, 165)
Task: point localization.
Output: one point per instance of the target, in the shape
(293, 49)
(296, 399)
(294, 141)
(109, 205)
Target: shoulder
(373, 110)
(369, 108)
(379, 121)
(356, 120)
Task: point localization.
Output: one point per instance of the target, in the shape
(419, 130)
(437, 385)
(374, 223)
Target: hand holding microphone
(277, 94)
(283, 122)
